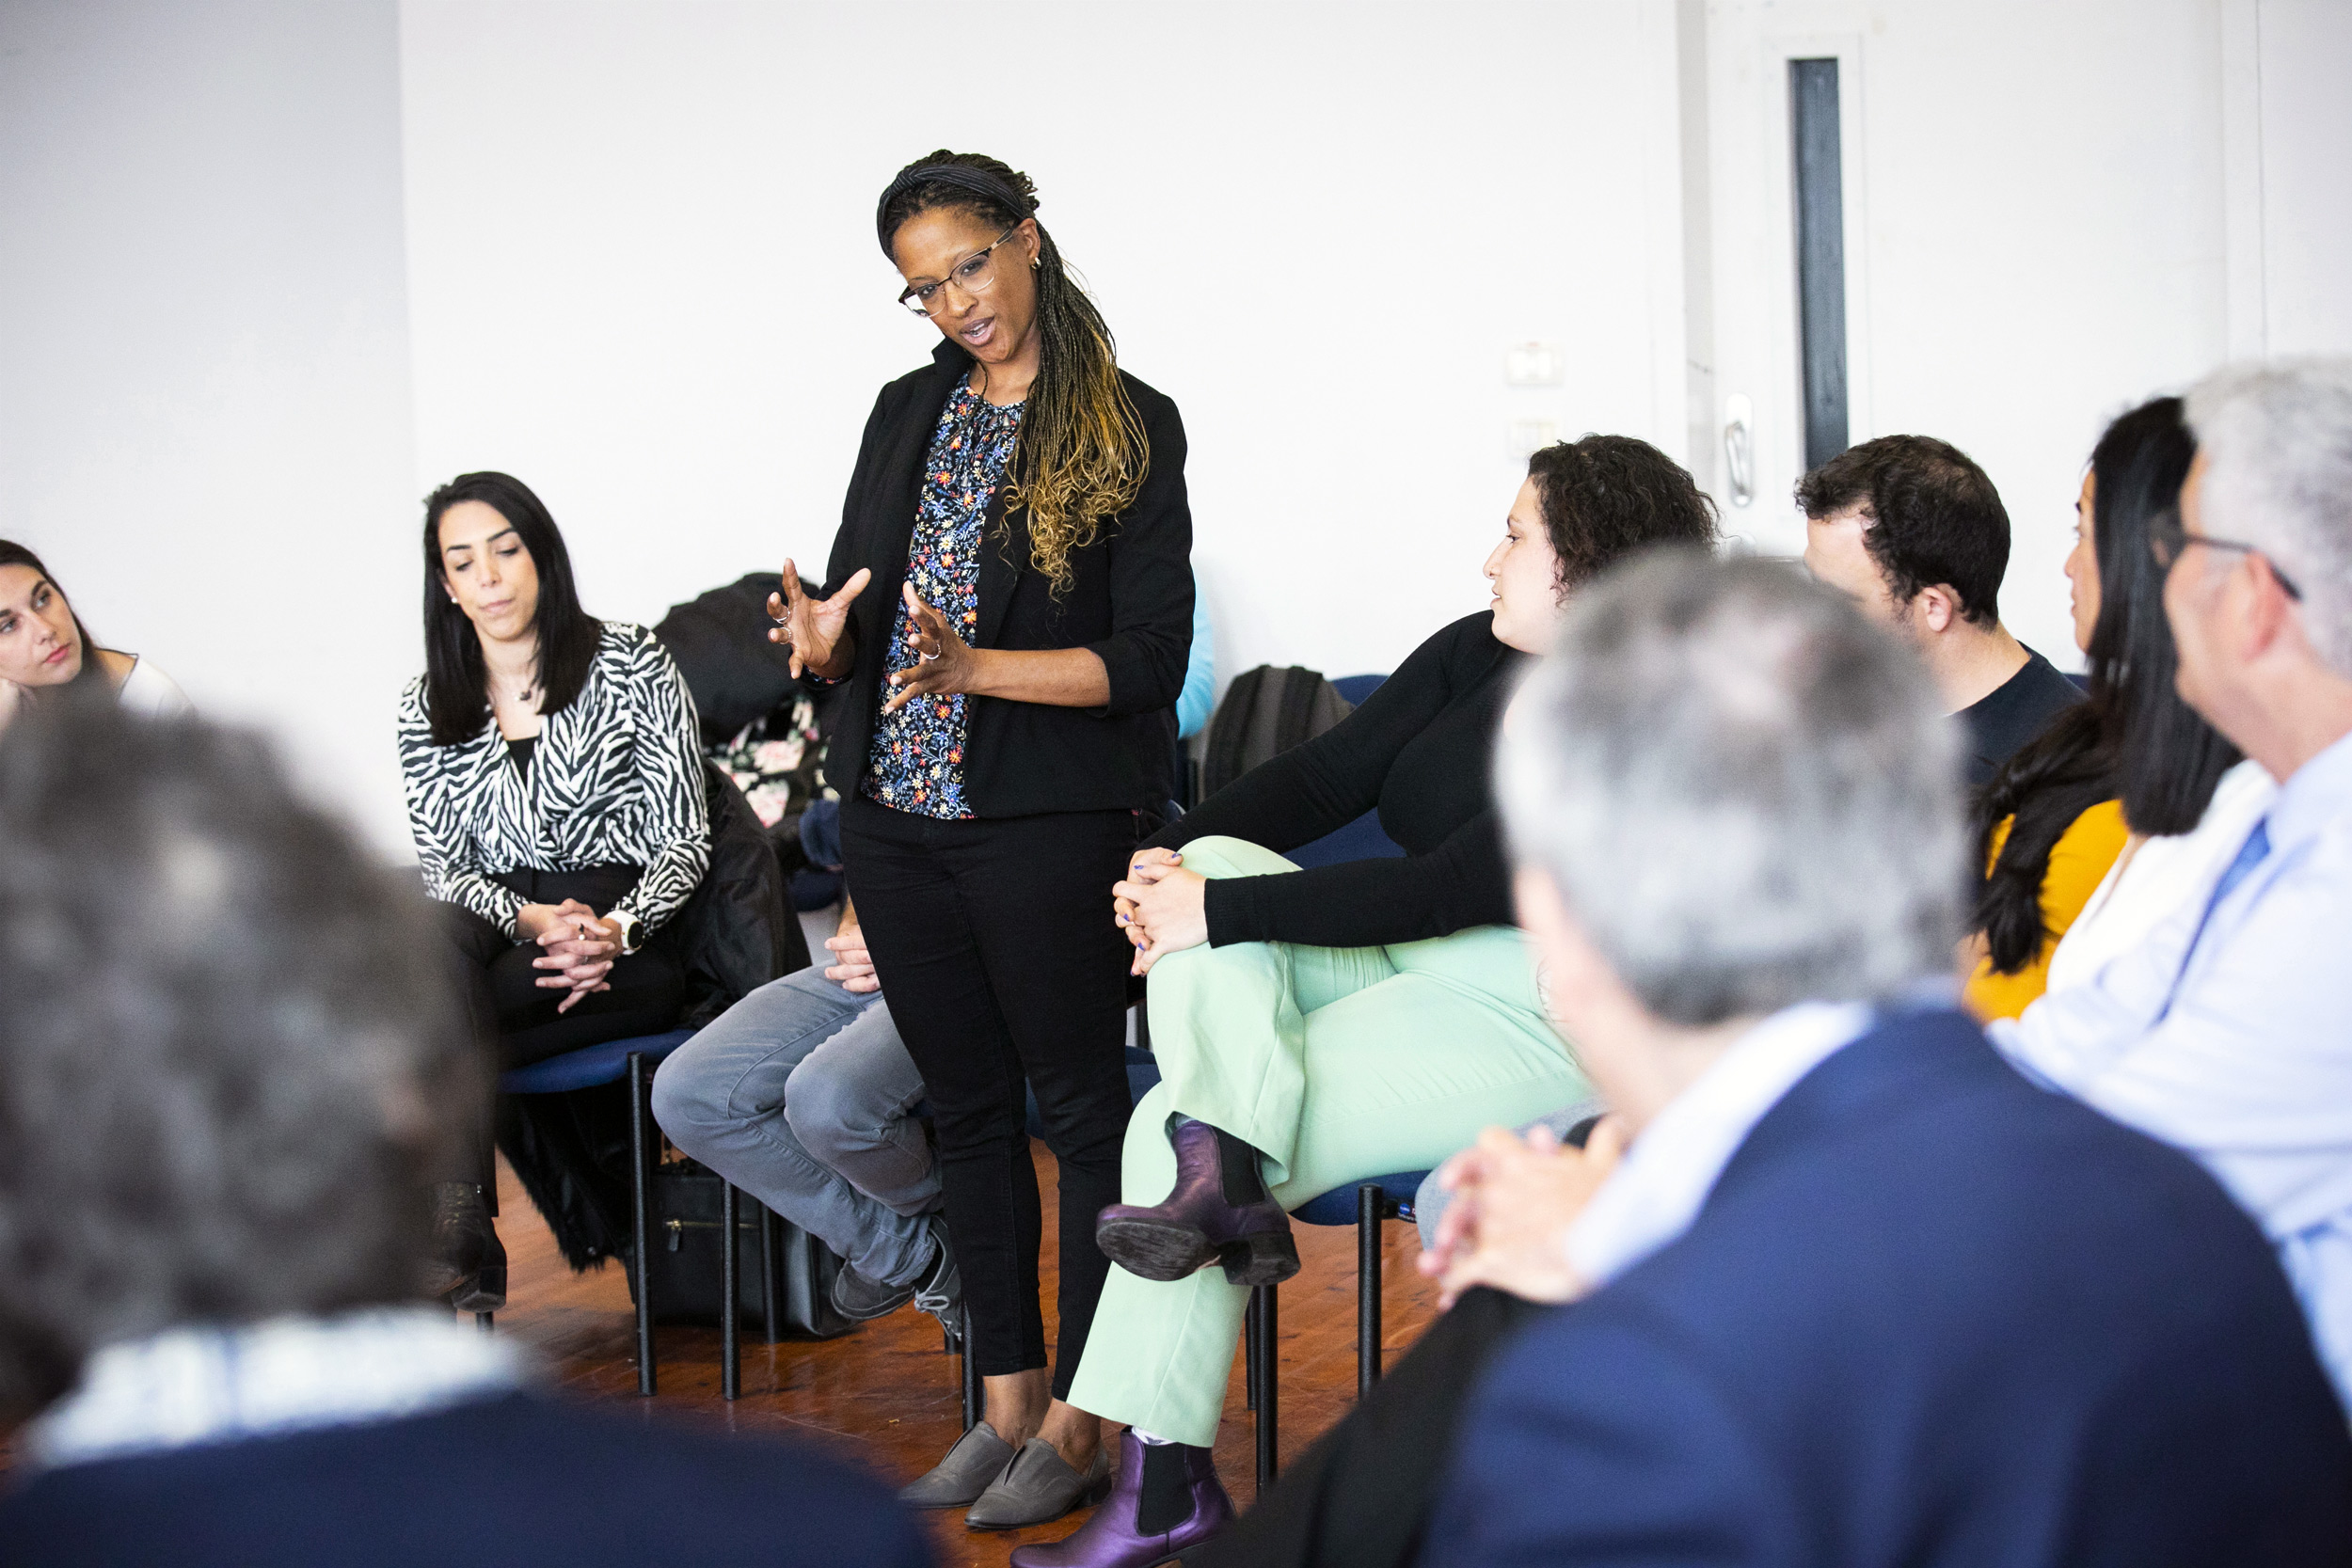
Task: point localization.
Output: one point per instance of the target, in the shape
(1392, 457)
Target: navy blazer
(1129, 600)
(1928, 1315)
(517, 1482)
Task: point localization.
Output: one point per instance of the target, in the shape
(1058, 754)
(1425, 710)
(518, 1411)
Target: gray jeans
(1431, 1200)
(800, 1094)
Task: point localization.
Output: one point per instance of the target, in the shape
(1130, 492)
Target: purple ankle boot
(1166, 1501)
(1218, 1213)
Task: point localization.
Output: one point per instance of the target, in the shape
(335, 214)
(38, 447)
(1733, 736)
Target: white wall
(644, 278)
(204, 418)
(2304, 181)
(627, 244)
(2047, 243)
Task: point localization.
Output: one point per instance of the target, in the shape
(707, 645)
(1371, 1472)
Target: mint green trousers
(1338, 1063)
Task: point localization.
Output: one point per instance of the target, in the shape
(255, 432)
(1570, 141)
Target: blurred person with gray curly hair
(229, 1061)
(1846, 1289)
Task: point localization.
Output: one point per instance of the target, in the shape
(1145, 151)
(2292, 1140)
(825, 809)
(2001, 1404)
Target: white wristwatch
(632, 929)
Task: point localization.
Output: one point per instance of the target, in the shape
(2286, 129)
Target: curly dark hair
(1080, 455)
(1935, 517)
(1607, 496)
(230, 1060)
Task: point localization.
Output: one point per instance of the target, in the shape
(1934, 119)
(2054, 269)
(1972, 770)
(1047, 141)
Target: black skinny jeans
(504, 1000)
(995, 942)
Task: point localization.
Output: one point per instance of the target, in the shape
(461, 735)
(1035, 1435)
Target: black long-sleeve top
(1420, 749)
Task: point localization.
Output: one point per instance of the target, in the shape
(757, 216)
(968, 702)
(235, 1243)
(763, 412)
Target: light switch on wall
(1528, 437)
(1533, 365)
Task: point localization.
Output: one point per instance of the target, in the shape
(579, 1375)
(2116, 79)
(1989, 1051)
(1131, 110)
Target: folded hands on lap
(576, 946)
(1162, 907)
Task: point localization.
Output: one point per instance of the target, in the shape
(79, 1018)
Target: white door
(1752, 378)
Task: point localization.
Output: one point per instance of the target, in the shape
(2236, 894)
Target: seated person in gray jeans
(801, 1095)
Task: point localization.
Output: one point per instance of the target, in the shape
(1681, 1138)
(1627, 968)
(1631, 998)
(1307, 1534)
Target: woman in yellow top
(2130, 762)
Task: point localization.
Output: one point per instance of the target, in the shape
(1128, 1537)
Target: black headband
(973, 182)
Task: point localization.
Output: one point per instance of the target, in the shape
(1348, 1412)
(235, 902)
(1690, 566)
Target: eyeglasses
(2168, 539)
(974, 274)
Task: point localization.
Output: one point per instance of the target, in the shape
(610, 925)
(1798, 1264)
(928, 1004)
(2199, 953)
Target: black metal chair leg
(1370, 1203)
(767, 1237)
(1262, 1306)
(730, 1296)
(640, 1217)
(970, 1374)
(1250, 1361)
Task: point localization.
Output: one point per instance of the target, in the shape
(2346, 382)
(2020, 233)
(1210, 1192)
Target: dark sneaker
(861, 1300)
(940, 1291)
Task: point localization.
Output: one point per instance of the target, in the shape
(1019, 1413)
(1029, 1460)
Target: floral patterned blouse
(917, 763)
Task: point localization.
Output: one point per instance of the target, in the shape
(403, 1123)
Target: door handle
(1740, 447)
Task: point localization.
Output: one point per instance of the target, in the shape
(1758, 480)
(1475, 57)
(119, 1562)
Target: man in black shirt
(1914, 532)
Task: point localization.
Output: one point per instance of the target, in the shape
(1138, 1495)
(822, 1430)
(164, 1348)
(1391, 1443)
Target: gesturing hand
(1513, 1199)
(943, 662)
(813, 627)
(1169, 910)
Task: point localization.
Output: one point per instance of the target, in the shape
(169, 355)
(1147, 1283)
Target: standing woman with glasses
(1011, 603)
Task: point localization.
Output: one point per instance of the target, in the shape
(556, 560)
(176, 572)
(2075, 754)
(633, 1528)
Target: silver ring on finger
(924, 657)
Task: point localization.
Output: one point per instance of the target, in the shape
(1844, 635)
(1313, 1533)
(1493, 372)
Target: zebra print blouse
(616, 779)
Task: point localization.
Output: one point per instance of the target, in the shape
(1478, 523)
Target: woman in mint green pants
(1318, 1026)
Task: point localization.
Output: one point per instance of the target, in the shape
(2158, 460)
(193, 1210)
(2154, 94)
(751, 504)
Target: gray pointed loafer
(977, 1458)
(1038, 1485)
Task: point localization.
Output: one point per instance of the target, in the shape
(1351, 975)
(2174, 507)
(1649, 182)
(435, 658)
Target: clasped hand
(1162, 907)
(853, 966)
(575, 945)
(1513, 1199)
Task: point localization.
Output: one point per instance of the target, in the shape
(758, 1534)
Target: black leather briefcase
(686, 1272)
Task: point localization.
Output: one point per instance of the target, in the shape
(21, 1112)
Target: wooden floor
(884, 1397)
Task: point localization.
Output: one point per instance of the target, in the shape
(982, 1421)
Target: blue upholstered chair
(634, 1059)
(1363, 1204)
(1362, 839)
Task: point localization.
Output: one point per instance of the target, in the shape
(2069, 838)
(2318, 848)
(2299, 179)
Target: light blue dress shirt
(2228, 1034)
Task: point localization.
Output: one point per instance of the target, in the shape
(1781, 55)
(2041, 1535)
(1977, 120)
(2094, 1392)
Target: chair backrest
(720, 641)
(1265, 712)
(1362, 839)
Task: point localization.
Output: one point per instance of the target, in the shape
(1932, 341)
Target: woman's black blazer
(1130, 600)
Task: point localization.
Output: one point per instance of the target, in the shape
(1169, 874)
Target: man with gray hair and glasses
(1846, 1288)
(2229, 1032)
(229, 1065)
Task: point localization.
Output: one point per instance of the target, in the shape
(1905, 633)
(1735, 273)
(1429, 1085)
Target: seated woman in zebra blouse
(553, 771)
